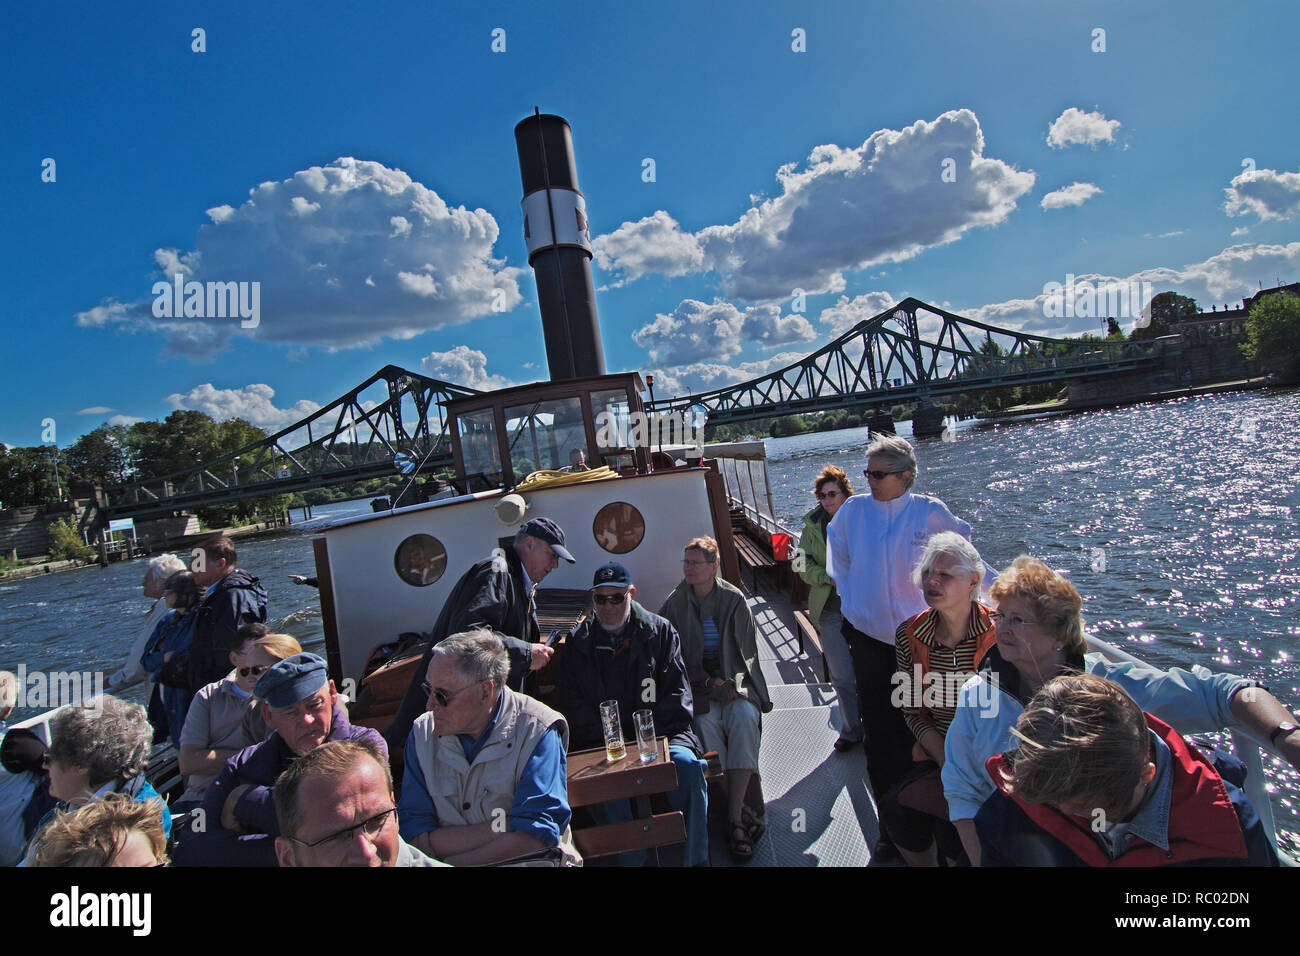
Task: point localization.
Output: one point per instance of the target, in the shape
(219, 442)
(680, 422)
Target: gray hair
(108, 737)
(477, 656)
(163, 567)
(965, 559)
(897, 455)
(8, 691)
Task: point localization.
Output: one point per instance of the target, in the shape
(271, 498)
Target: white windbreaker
(871, 547)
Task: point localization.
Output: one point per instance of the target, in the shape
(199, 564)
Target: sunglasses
(880, 475)
(609, 598)
(823, 495)
(256, 670)
(441, 696)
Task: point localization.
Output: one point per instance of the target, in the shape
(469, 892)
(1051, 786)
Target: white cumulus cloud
(252, 403)
(96, 410)
(886, 200)
(462, 366)
(1075, 194)
(1265, 192)
(346, 254)
(1074, 126)
(718, 330)
(846, 312)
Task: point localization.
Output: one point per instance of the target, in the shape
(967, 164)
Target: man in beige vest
(486, 774)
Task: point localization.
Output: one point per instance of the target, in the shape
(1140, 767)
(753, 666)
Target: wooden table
(593, 779)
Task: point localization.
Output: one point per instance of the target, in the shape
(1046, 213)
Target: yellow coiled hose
(553, 479)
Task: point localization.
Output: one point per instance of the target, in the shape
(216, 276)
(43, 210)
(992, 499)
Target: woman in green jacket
(832, 489)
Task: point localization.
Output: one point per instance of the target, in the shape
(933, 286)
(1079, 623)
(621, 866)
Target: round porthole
(420, 560)
(618, 527)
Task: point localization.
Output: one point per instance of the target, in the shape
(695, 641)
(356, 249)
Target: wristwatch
(1282, 731)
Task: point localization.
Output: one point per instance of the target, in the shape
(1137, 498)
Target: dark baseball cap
(612, 575)
(544, 529)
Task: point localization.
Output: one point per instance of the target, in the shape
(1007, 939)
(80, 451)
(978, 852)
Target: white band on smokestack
(571, 226)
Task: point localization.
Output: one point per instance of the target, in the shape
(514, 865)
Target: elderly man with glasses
(237, 823)
(497, 594)
(485, 777)
(630, 655)
(335, 807)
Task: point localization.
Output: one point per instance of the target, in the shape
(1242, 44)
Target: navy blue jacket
(646, 672)
(238, 599)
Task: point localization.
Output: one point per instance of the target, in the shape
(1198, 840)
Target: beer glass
(646, 744)
(613, 728)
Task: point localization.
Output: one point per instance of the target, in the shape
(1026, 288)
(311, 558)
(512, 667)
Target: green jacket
(812, 543)
(739, 643)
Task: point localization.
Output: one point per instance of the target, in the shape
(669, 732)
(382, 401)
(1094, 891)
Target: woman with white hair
(155, 576)
(99, 748)
(936, 651)
(874, 542)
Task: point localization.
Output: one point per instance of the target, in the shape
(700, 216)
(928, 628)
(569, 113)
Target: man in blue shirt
(486, 775)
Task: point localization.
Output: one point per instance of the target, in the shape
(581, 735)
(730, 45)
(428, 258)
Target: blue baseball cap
(544, 529)
(612, 575)
(293, 679)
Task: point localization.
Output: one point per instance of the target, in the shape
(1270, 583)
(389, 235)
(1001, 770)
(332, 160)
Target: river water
(1179, 522)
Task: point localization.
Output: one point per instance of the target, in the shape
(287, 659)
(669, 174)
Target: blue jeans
(843, 679)
(691, 797)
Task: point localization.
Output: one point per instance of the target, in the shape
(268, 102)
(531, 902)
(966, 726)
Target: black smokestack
(559, 247)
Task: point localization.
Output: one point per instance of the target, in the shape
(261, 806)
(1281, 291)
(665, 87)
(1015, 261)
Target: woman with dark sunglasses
(224, 716)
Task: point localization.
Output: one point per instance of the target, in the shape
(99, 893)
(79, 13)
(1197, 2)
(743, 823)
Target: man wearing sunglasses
(633, 656)
(485, 772)
(301, 709)
(496, 594)
(335, 807)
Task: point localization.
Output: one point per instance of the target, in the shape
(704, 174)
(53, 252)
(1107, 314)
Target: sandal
(742, 850)
(753, 823)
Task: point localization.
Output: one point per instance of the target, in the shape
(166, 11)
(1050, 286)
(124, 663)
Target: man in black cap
(628, 654)
(236, 825)
(496, 594)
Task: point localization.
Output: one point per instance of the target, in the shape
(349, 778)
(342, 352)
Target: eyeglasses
(609, 598)
(695, 564)
(337, 841)
(881, 475)
(833, 493)
(443, 698)
(256, 670)
(1012, 622)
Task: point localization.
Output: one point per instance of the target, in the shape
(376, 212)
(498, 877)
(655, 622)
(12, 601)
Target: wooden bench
(752, 556)
(807, 631)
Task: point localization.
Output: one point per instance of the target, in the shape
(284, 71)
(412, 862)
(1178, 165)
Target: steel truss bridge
(883, 361)
(886, 360)
(353, 438)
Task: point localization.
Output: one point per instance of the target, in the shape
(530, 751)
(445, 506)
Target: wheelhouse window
(542, 435)
(478, 444)
(611, 415)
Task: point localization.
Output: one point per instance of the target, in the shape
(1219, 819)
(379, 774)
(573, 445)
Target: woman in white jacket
(873, 543)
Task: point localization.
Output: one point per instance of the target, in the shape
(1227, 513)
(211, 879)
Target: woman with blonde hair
(224, 717)
(113, 832)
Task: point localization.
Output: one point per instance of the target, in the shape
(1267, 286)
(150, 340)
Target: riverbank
(1066, 405)
(35, 567)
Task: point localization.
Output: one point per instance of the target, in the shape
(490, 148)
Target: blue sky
(378, 140)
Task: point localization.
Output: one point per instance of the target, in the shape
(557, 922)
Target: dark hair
(186, 589)
(219, 548)
(334, 758)
(836, 474)
(250, 632)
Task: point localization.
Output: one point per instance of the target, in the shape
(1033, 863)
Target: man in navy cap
(633, 656)
(236, 825)
(496, 594)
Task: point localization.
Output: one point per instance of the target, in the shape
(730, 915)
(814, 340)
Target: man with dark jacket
(238, 817)
(633, 656)
(496, 594)
(233, 598)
